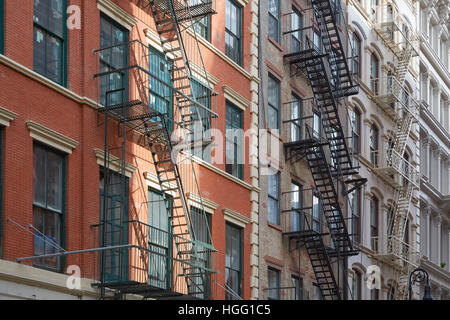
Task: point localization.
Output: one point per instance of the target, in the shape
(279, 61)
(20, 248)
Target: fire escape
(393, 97)
(163, 102)
(316, 133)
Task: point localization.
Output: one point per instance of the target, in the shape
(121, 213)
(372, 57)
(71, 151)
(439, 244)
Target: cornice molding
(235, 217)
(51, 137)
(6, 116)
(235, 98)
(117, 13)
(113, 163)
(196, 201)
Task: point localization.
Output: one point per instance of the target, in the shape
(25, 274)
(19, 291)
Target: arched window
(374, 73)
(356, 284)
(356, 130)
(357, 57)
(374, 223)
(373, 135)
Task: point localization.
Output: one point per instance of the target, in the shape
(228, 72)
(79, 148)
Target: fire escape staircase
(170, 17)
(331, 81)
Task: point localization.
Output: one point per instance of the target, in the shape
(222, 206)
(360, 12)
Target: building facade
(86, 109)
(434, 139)
(385, 114)
(304, 239)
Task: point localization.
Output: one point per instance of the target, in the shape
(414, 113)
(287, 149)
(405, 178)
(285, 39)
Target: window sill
(275, 43)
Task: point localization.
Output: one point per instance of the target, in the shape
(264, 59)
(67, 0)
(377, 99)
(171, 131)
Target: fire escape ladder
(322, 267)
(328, 15)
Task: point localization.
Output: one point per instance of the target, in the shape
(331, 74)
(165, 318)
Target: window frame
(374, 78)
(298, 290)
(357, 283)
(277, 289)
(373, 224)
(239, 28)
(276, 200)
(293, 37)
(276, 108)
(357, 41)
(61, 260)
(277, 18)
(230, 226)
(374, 144)
(356, 218)
(126, 33)
(64, 40)
(230, 107)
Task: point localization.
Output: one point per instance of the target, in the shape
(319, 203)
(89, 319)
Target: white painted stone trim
(235, 217)
(6, 116)
(24, 274)
(129, 168)
(196, 201)
(116, 13)
(235, 98)
(51, 137)
(152, 181)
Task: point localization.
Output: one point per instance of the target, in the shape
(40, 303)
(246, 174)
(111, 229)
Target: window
(355, 200)
(2, 26)
(374, 223)
(373, 8)
(234, 141)
(356, 285)
(356, 44)
(374, 83)
(116, 229)
(373, 134)
(356, 130)
(273, 182)
(233, 31)
(274, 103)
(296, 203)
(48, 205)
(233, 262)
(317, 294)
(274, 20)
(296, 36)
(296, 114)
(273, 284)
(201, 134)
(317, 215)
(159, 241)
(297, 290)
(113, 38)
(374, 294)
(203, 26)
(50, 34)
(317, 126)
(160, 81)
(317, 40)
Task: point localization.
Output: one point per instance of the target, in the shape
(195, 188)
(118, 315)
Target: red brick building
(53, 87)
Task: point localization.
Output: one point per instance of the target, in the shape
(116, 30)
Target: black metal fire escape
(326, 67)
(133, 106)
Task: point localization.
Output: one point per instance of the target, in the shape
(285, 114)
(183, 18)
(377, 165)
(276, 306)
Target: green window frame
(233, 260)
(49, 204)
(233, 31)
(2, 26)
(114, 41)
(203, 96)
(50, 40)
(234, 141)
(160, 243)
(273, 99)
(274, 20)
(116, 233)
(273, 203)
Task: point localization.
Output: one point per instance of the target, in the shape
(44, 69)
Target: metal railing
(393, 97)
(150, 260)
(395, 250)
(395, 168)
